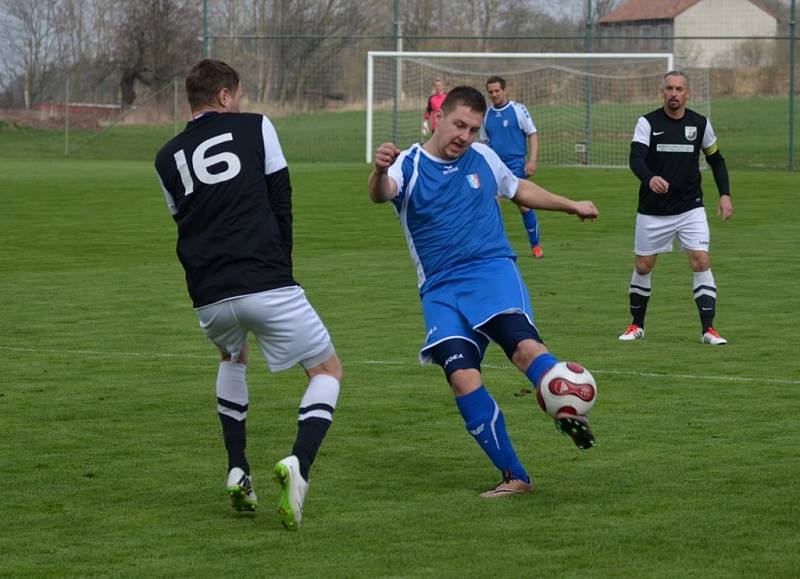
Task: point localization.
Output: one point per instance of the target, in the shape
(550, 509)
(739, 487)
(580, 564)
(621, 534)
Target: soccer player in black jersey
(226, 183)
(665, 155)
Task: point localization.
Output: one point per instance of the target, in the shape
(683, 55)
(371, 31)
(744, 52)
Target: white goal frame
(371, 55)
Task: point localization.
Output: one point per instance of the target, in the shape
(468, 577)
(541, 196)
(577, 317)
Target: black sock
(234, 433)
(638, 303)
(310, 433)
(706, 307)
(705, 296)
(638, 296)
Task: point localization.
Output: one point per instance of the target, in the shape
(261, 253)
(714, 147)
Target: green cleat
(240, 488)
(293, 492)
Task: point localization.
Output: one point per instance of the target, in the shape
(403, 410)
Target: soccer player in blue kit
(444, 193)
(509, 130)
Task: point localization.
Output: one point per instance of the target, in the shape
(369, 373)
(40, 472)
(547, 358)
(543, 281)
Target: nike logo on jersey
(655, 134)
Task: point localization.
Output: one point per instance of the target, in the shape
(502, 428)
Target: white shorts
(287, 328)
(655, 233)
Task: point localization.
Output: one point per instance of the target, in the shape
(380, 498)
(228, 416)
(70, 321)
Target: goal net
(584, 105)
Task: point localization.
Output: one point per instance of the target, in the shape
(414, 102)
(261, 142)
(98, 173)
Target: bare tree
(479, 18)
(538, 26)
(752, 53)
(260, 18)
(418, 19)
(602, 7)
(300, 60)
(32, 42)
(85, 40)
(156, 41)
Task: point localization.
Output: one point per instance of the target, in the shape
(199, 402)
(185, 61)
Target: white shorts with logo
(287, 328)
(656, 233)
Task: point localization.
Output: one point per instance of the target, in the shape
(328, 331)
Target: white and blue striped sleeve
(506, 181)
(395, 172)
(484, 136)
(524, 119)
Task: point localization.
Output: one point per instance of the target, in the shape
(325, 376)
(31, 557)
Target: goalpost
(584, 105)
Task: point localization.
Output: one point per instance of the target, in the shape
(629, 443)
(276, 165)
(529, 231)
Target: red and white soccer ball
(567, 387)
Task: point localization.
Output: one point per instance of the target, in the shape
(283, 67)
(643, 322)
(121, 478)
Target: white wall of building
(740, 18)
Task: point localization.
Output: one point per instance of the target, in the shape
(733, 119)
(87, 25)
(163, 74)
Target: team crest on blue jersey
(505, 122)
(690, 133)
(473, 180)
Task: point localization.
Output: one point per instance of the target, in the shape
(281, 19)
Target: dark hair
(206, 79)
(496, 79)
(467, 96)
(677, 73)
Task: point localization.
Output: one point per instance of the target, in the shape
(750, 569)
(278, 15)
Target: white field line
(211, 355)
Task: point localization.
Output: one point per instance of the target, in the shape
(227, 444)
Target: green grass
(753, 133)
(304, 138)
(112, 460)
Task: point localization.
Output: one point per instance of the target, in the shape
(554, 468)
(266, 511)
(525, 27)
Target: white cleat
(239, 487)
(293, 493)
(633, 332)
(712, 337)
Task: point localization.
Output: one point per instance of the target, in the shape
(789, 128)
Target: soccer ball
(567, 387)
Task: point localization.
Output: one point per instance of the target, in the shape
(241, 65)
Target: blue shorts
(469, 297)
(517, 166)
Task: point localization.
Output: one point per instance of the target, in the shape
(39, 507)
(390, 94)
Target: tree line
(113, 50)
(110, 49)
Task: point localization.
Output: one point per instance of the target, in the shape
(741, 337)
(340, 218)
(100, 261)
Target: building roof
(655, 10)
(648, 10)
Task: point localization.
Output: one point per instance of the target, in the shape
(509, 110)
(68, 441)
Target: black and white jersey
(227, 186)
(670, 148)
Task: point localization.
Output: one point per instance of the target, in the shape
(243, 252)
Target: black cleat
(576, 427)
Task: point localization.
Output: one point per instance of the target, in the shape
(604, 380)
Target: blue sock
(539, 367)
(485, 422)
(531, 226)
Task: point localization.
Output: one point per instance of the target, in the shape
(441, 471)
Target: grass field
(753, 133)
(112, 460)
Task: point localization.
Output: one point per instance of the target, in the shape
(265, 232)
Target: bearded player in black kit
(227, 186)
(665, 155)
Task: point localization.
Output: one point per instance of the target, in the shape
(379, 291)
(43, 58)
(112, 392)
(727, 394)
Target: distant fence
(321, 113)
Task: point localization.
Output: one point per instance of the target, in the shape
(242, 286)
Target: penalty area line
(640, 374)
(212, 355)
(102, 353)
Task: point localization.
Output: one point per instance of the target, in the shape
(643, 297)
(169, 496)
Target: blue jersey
(507, 129)
(449, 211)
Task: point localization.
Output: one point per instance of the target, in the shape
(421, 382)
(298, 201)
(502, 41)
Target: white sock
(320, 398)
(703, 284)
(640, 284)
(232, 396)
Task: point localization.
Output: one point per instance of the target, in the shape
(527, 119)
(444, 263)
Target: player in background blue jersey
(509, 130)
(444, 193)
